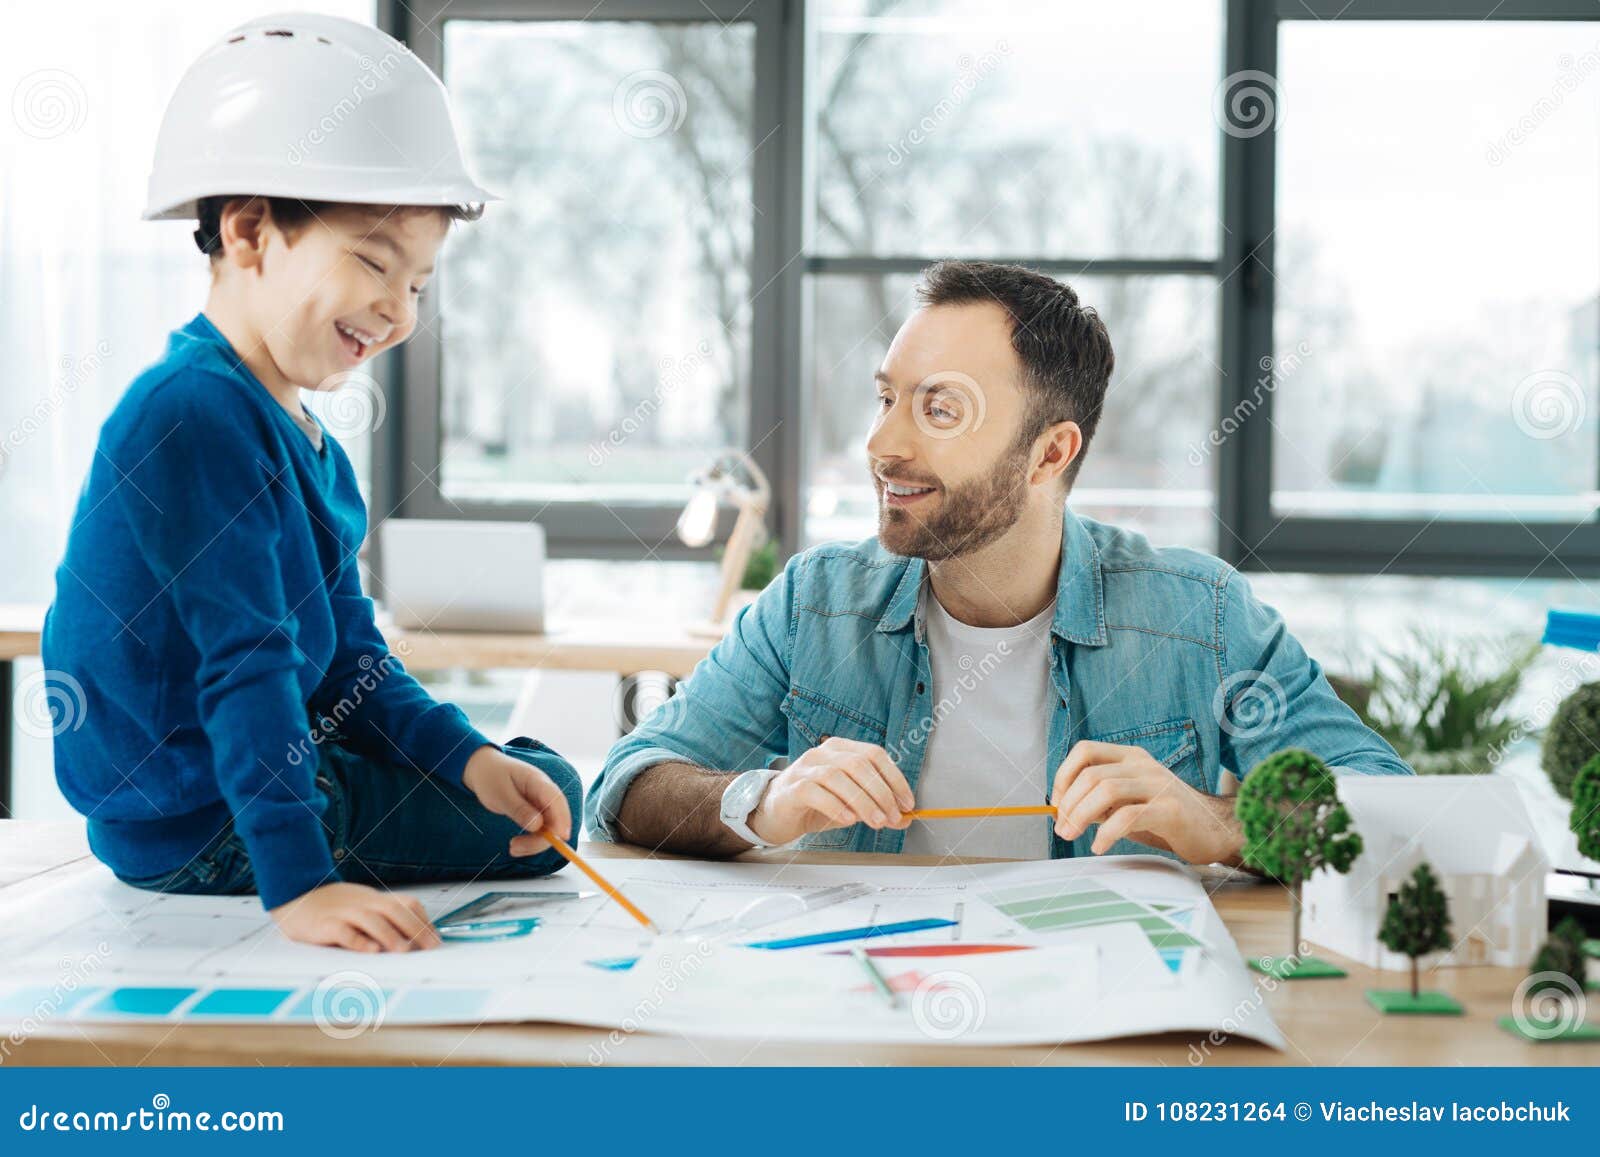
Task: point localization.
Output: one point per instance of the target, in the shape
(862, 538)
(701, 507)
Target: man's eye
(941, 411)
(885, 401)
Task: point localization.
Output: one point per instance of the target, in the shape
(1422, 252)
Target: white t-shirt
(989, 742)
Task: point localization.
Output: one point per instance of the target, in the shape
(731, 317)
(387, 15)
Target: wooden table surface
(575, 646)
(597, 645)
(1327, 1022)
(20, 624)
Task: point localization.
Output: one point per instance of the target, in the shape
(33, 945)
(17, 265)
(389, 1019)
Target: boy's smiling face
(326, 295)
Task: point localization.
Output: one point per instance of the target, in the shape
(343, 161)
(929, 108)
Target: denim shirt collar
(1080, 595)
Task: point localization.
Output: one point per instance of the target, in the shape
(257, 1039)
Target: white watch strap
(739, 825)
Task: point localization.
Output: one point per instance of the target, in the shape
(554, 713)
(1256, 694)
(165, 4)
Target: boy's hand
(509, 787)
(357, 917)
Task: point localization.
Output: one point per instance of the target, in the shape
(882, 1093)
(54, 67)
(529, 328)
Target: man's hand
(1132, 795)
(834, 785)
(509, 787)
(357, 917)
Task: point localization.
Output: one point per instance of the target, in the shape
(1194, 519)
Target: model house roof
(1460, 824)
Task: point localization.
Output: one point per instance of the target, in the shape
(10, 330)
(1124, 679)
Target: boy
(246, 727)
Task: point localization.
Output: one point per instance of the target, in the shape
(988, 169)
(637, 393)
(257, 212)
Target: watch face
(742, 798)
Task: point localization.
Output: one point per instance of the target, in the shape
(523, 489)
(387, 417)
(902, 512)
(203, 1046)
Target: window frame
(785, 265)
(1254, 538)
(411, 458)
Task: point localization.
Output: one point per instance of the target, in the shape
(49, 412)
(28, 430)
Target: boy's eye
(370, 263)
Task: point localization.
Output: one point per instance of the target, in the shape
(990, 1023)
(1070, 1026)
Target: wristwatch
(740, 800)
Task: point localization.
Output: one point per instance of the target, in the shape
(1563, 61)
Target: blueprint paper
(1038, 952)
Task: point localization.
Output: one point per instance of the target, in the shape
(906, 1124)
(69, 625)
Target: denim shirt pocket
(814, 718)
(1172, 742)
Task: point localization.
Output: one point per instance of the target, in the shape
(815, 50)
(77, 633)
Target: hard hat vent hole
(323, 40)
(234, 39)
(279, 32)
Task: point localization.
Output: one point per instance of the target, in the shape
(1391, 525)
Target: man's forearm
(677, 807)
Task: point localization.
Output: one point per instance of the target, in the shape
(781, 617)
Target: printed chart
(994, 953)
(1050, 906)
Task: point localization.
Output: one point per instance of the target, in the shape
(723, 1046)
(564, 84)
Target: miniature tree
(1418, 920)
(1557, 957)
(1566, 948)
(1571, 737)
(1294, 824)
(1416, 923)
(1586, 809)
(1550, 1002)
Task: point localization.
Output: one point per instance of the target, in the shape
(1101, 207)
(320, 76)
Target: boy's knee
(561, 773)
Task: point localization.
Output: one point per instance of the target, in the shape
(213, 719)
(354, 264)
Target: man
(988, 648)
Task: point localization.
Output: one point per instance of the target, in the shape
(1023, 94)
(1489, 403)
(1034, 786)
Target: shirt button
(338, 853)
(920, 688)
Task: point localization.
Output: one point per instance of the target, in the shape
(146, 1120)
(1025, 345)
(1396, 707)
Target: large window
(973, 128)
(596, 326)
(1416, 231)
(1438, 267)
(590, 344)
(1348, 252)
(1017, 131)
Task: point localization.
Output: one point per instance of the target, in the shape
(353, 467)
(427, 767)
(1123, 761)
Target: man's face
(342, 288)
(944, 449)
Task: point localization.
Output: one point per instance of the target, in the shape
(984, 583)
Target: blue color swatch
(141, 1001)
(440, 1004)
(241, 1002)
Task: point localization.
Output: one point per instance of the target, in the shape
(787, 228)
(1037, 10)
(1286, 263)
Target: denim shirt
(1160, 648)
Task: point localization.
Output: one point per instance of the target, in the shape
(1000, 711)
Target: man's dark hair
(1064, 348)
(291, 215)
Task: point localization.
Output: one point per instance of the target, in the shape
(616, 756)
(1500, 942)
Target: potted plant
(1445, 705)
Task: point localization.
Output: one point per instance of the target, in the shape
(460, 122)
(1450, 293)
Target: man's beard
(969, 516)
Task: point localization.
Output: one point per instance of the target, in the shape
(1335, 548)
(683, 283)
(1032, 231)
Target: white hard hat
(316, 108)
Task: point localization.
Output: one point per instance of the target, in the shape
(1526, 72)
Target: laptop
(463, 575)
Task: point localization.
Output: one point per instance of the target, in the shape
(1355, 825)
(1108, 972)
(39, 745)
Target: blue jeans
(388, 825)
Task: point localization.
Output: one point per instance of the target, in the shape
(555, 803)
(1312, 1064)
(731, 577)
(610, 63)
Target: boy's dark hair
(290, 214)
(1064, 348)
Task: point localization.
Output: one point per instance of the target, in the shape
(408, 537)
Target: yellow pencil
(971, 813)
(606, 886)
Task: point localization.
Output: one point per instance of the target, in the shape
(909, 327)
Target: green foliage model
(1418, 920)
(1572, 737)
(1562, 954)
(1294, 823)
(1586, 809)
(1445, 704)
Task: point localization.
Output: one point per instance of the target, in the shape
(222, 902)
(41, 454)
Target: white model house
(1474, 832)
